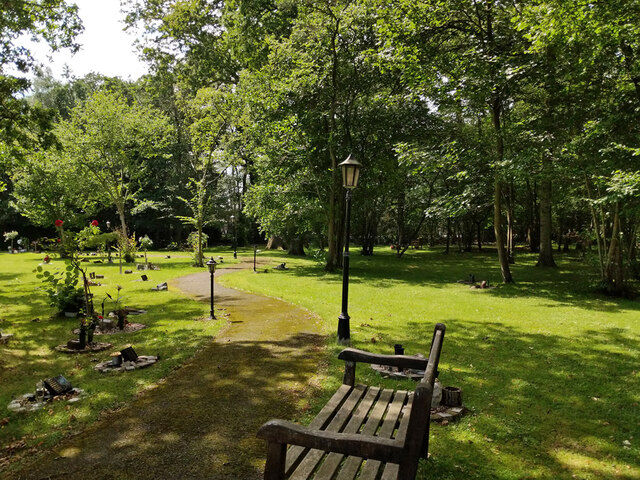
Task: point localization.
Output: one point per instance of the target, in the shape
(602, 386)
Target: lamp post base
(344, 335)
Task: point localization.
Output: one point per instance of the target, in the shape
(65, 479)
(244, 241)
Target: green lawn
(176, 327)
(549, 370)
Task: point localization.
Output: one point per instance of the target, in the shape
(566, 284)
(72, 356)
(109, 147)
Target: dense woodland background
(477, 121)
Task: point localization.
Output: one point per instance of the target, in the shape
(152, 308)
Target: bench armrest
(287, 433)
(402, 361)
(351, 356)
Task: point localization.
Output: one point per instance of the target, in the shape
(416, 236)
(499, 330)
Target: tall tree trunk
(446, 249)
(199, 262)
(614, 271)
(497, 226)
(334, 253)
(296, 246)
(545, 257)
(497, 195)
(274, 243)
(479, 235)
(401, 224)
(510, 222)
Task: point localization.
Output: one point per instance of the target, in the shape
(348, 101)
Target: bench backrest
(417, 442)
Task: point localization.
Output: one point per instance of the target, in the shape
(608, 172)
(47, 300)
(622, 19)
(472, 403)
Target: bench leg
(349, 373)
(276, 459)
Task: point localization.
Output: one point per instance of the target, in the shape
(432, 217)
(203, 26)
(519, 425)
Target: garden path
(201, 421)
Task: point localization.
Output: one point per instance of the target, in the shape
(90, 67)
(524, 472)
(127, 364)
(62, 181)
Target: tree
(57, 23)
(111, 142)
(46, 188)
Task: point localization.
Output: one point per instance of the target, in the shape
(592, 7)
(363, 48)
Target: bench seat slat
(352, 464)
(313, 457)
(391, 469)
(332, 461)
(371, 467)
(295, 452)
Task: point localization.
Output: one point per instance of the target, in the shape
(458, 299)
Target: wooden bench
(363, 431)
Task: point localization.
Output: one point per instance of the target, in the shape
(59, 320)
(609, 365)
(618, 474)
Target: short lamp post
(108, 223)
(211, 265)
(350, 174)
(235, 237)
(255, 252)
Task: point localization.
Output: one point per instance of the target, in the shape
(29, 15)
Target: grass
(176, 328)
(548, 369)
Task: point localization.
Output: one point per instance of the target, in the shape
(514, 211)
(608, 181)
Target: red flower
(59, 223)
(100, 317)
(58, 240)
(94, 223)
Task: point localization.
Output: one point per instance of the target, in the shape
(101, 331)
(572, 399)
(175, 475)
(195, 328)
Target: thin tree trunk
(545, 256)
(497, 226)
(446, 250)
(510, 222)
(614, 270)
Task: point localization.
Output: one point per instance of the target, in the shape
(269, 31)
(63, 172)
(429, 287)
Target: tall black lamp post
(350, 174)
(211, 265)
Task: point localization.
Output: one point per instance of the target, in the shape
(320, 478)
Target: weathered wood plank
(295, 452)
(332, 461)
(402, 361)
(391, 469)
(371, 467)
(352, 464)
(313, 457)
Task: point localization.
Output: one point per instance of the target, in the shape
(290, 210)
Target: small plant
(61, 287)
(10, 237)
(145, 244)
(193, 242)
(118, 310)
(127, 247)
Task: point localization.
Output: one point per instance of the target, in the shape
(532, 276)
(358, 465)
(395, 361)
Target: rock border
(94, 347)
(28, 403)
(444, 414)
(128, 328)
(143, 361)
(406, 374)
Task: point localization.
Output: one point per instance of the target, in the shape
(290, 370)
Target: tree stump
(452, 397)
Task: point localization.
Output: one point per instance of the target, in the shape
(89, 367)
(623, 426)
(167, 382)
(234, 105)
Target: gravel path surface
(200, 423)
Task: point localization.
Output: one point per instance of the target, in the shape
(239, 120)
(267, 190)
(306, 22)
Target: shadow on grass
(557, 406)
(569, 284)
(201, 423)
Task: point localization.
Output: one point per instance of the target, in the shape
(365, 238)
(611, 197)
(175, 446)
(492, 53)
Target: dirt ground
(200, 422)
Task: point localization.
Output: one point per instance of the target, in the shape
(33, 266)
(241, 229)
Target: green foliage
(145, 243)
(57, 23)
(110, 141)
(127, 246)
(61, 287)
(196, 241)
(10, 236)
(46, 187)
